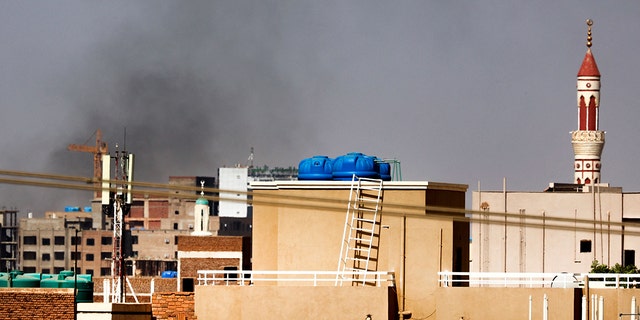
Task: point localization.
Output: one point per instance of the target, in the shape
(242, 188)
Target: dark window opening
(106, 241)
(585, 245)
(59, 241)
(46, 257)
(46, 241)
(58, 255)
(89, 257)
(91, 241)
(629, 258)
(29, 240)
(29, 255)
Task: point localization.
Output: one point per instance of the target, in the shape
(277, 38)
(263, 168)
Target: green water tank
(20, 280)
(66, 280)
(5, 280)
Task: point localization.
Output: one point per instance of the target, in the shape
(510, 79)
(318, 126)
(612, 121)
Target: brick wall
(141, 285)
(174, 306)
(189, 266)
(191, 243)
(36, 303)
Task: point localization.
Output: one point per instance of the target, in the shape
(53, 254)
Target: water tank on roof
(5, 280)
(315, 168)
(384, 169)
(344, 167)
(65, 279)
(20, 280)
(169, 274)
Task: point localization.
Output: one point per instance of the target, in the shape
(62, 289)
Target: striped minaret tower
(588, 140)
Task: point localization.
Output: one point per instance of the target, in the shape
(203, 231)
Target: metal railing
(302, 278)
(538, 280)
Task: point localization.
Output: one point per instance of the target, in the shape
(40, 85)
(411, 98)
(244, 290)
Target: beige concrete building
(299, 225)
(563, 229)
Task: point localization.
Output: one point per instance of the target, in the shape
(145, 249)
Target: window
(58, 270)
(105, 271)
(176, 212)
(73, 255)
(46, 270)
(76, 240)
(105, 255)
(89, 257)
(175, 226)
(175, 239)
(29, 240)
(46, 241)
(29, 269)
(59, 255)
(134, 239)
(106, 241)
(89, 271)
(29, 255)
(79, 271)
(91, 241)
(585, 245)
(629, 258)
(46, 257)
(59, 241)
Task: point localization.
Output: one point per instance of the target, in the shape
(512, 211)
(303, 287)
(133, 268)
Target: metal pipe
(545, 308)
(633, 308)
(584, 307)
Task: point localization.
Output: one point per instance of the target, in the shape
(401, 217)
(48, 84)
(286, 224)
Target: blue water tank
(169, 274)
(384, 170)
(363, 166)
(315, 168)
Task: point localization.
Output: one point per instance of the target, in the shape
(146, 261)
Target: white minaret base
(587, 148)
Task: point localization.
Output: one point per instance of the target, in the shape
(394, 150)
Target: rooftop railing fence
(538, 280)
(302, 278)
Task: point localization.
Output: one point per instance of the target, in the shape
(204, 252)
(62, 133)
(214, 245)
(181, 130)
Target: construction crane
(98, 150)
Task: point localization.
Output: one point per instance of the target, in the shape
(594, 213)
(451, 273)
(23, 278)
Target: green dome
(202, 201)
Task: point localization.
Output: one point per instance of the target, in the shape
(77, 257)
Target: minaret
(201, 215)
(588, 141)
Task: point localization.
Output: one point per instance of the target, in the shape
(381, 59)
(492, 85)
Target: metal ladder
(361, 231)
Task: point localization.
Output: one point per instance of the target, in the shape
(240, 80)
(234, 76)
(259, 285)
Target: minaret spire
(201, 215)
(588, 140)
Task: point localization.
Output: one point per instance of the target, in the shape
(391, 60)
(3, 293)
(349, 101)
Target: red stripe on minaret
(582, 114)
(592, 114)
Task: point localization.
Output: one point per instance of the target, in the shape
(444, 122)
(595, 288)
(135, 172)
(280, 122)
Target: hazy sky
(458, 91)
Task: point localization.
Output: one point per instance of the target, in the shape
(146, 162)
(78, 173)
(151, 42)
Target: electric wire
(265, 197)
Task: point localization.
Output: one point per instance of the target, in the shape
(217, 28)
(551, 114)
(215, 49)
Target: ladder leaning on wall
(361, 231)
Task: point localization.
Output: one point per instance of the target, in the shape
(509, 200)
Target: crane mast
(99, 150)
